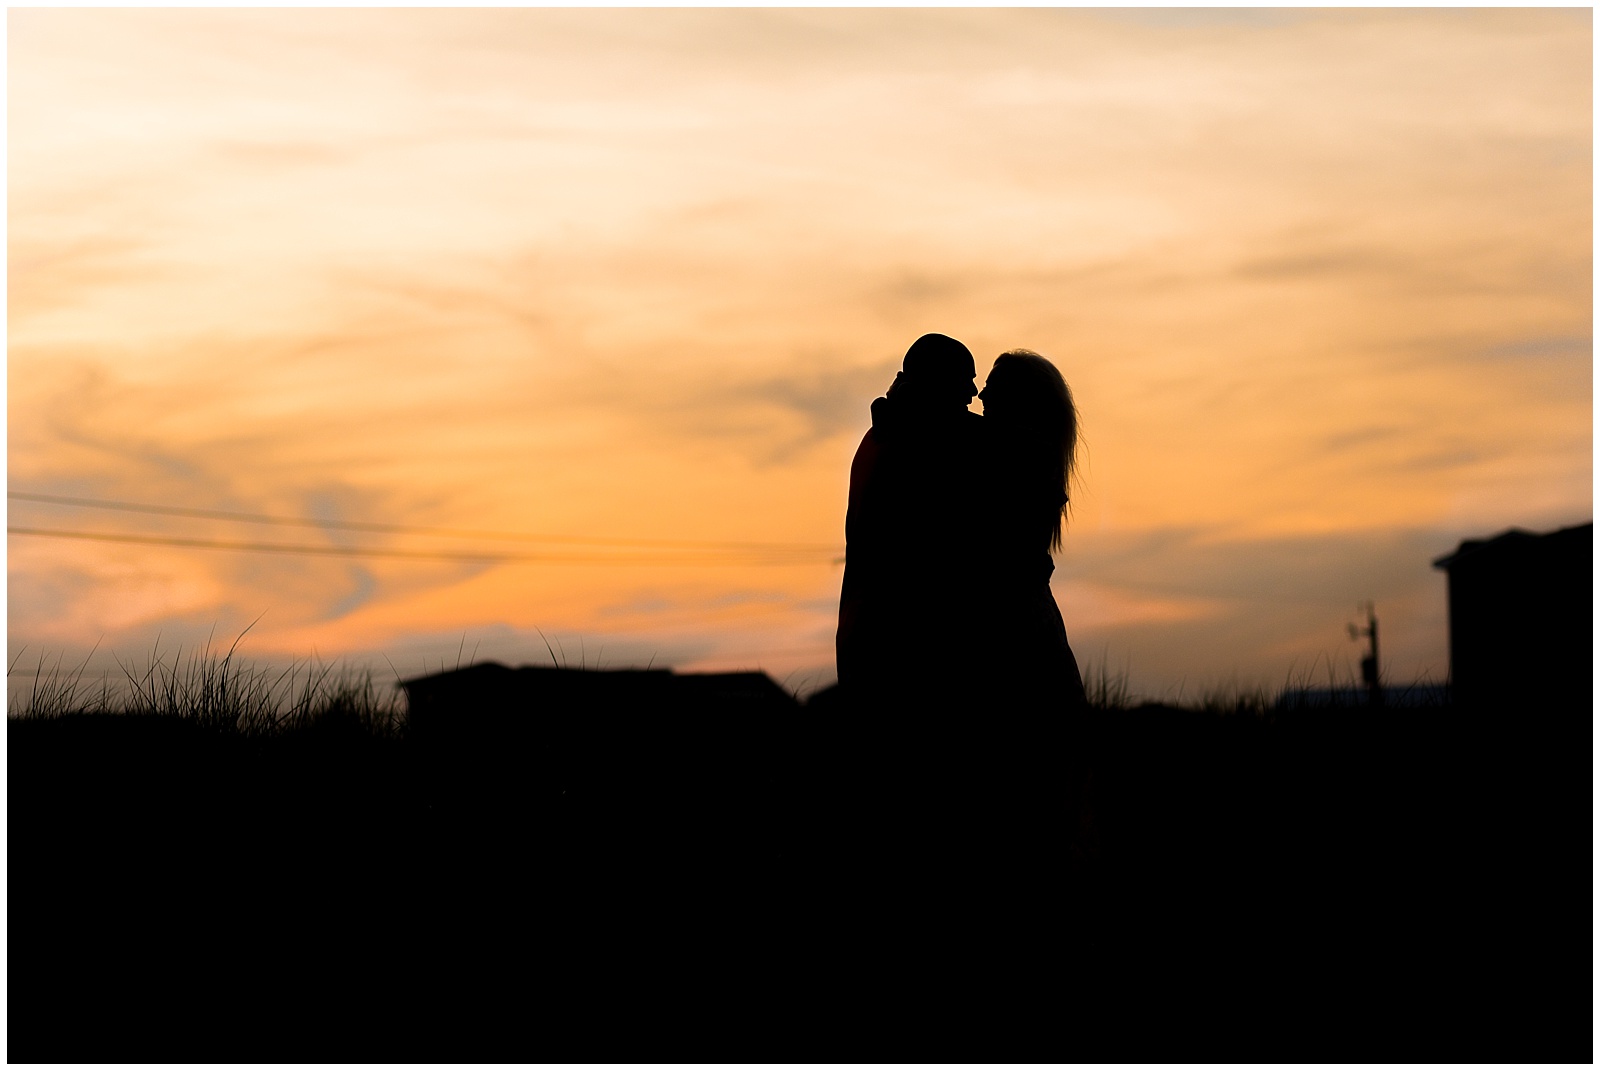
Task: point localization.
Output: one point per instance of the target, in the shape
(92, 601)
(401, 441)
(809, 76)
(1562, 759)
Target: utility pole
(1369, 664)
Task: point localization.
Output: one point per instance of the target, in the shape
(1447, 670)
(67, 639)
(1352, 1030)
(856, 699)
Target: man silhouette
(909, 535)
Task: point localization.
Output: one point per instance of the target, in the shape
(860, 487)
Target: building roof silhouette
(1522, 619)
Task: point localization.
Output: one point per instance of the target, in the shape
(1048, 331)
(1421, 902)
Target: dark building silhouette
(652, 766)
(489, 694)
(555, 723)
(1522, 620)
(554, 719)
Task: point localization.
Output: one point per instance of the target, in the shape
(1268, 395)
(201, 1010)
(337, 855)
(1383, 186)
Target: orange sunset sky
(1321, 281)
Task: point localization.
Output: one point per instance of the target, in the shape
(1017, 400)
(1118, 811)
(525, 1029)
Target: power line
(403, 529)
(378, 552)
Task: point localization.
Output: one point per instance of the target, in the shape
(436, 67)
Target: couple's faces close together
(996, 392)
(995, 395)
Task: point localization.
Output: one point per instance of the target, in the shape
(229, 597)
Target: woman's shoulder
(1003, 446)
(1000, 432)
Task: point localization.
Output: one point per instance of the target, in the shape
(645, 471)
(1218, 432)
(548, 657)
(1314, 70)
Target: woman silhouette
(1031, 427)
(1031, 798)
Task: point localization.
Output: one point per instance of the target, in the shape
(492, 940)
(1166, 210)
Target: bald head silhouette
(937, 370)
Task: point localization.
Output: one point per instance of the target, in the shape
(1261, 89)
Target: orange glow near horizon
(1321, 282)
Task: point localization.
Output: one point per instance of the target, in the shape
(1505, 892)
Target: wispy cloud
(1328, 262)
(1576, 346)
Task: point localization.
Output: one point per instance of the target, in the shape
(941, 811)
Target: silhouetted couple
(965, 772)
(951, 523)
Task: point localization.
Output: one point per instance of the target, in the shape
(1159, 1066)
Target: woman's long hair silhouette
(1026, 392)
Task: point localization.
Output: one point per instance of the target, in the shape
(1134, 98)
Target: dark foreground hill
(638, 878)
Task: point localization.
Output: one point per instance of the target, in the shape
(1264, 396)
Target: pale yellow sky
(1321, 280)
